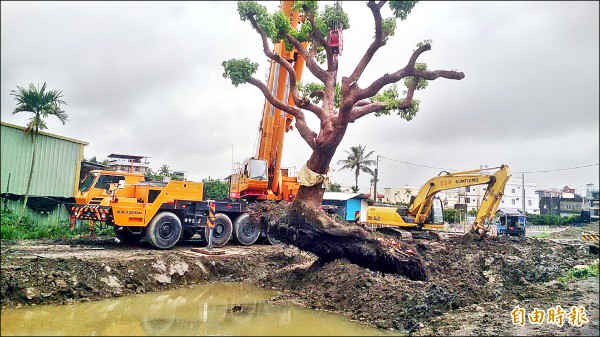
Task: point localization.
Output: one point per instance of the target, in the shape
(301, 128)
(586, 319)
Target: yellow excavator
(425, 211)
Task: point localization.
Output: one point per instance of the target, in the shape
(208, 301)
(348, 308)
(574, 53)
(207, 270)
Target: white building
(128, 163)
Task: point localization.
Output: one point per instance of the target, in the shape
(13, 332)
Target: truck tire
(221, 232)
(126, 236)
(164, 230)
(244, 232)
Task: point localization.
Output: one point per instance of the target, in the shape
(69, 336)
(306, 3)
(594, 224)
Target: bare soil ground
(471, 287)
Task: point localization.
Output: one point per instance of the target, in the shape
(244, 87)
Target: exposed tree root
(314, 231)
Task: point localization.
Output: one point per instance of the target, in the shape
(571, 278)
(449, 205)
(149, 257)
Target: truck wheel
(222, 231)
(244, 232)
(164, 230)
(126, 236)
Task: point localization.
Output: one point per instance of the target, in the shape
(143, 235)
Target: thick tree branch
(377, 43)
(364, 110)
(307, 134)
(316, 36)
(408, 70)
(298, 100)
(313, 66)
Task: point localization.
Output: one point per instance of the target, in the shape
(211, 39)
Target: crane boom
(261, 177)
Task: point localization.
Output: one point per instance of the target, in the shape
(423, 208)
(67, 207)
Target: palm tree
(408, 193)
(358, 161)
(164, 171)
(41, 104)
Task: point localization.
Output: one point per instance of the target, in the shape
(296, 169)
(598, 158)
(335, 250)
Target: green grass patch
(27, 229)
(542, 235)
(580, 273)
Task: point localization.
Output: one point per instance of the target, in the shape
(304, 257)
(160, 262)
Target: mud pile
(460, 275)
(486, 279)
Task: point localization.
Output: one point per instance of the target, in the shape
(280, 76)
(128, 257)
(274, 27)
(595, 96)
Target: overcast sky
(145, 78)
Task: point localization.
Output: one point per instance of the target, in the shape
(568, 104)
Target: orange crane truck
(162, 213)
(261, 177)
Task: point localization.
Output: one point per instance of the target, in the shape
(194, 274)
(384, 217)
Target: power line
(404, 162)
(446, 169)
(560, 169)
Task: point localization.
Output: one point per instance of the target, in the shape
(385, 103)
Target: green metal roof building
(56, 173)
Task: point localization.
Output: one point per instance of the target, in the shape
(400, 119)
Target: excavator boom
(421, 205)
(415, 217)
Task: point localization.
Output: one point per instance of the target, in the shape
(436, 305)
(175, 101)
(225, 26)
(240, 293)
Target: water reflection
(216, 309)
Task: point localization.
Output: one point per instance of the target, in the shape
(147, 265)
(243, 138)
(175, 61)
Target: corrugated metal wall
(56, 169)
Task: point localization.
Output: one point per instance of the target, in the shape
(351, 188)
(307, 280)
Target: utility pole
(375, 180)
(523, 191)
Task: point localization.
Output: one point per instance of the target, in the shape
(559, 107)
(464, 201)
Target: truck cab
(511, 225)
(99, 184)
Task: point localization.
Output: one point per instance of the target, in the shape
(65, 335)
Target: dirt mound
(482, 280)
(568, 233)
(461, 275)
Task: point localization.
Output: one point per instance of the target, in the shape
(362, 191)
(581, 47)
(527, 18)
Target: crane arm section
(420, 207)
(261, 176)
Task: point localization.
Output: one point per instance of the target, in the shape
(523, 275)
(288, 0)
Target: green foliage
(551, 220)
(580, 273)
(358, 160)
(41, 104)
(388, 26)
(251, 9)
(150, 175)
(354, 189)
(401, 9)
(163, 172)
(334, 187)
(215, 189)
(239, 71)
(391, 99)
(311, 5)
(334, 17)
(422, 83)
(308, 88)
(450, 215)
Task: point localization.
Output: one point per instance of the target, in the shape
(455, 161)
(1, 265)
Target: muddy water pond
(216, 309)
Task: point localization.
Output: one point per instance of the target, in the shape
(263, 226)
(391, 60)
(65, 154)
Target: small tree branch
(402, 104)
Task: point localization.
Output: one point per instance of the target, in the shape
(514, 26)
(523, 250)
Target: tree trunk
(305, 225)
(29, 180)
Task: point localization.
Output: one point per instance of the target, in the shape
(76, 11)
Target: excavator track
(410, 236)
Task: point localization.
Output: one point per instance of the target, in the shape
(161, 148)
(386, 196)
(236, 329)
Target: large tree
(358, 161)
(40, 104)
(335, 105)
